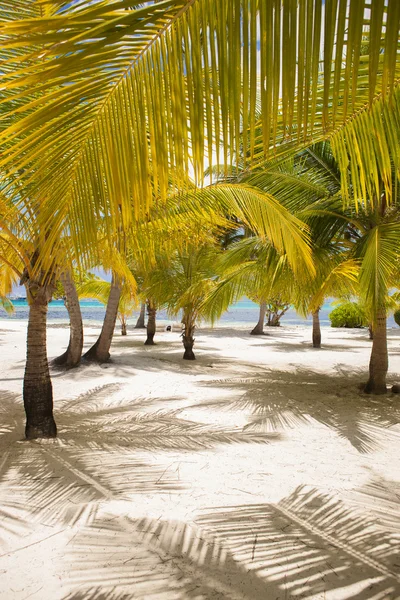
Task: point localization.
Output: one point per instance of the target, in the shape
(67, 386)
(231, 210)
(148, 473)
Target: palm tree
(100, 351)
(371, 232)
(181, 283)
(151, 321)
(140, 323)
(259, 328)
(378, 250)
(72, 356)
(99, 289)
(20, 254)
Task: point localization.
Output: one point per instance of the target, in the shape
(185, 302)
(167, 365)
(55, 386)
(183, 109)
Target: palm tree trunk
(123, 326)
(71, 358)
(259, 328)
(151, 323)
(140, 322)
(316, 329)
(100, 351)
(378, 364)
(187, 338)
(37, 390)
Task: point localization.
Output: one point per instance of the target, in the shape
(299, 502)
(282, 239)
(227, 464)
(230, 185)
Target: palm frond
(378, 251)
(367, 151)
(103, 102)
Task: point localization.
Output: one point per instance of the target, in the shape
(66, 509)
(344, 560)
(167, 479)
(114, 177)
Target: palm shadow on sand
(274, 400)
(306, 545)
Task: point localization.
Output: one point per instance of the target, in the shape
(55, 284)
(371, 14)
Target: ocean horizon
(244, 312)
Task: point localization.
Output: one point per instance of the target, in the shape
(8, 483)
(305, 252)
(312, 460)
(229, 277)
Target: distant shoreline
(242, 314)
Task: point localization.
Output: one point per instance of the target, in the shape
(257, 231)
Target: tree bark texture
(151, 323)
(378, 364)
(259, 328)
(316, 330)
(37, 388)
(72, 357)
(140, 322)
(100, 351)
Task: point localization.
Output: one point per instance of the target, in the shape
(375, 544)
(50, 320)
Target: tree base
(46, 429)
(189, 355)
(257, 332)
(149, 343)
(92, 356)
(377, 389)
(395, 389)
(60, 361)
(316, 345)
(63, 363)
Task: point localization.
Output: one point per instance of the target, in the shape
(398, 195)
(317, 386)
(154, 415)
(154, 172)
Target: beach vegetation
(349, 315)
(276, 309)
(182, 282)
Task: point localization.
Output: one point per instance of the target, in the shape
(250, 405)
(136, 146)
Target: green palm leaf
(379, 252)
(104, 101)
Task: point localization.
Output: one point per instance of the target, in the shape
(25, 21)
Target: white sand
(257, 472)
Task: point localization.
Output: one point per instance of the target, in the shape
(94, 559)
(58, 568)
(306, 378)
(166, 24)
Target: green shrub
(396, 316)
(348, 314)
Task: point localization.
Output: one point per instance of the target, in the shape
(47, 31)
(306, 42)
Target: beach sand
(259, 471)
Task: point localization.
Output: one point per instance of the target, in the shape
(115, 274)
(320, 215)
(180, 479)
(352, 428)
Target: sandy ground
(257, 472)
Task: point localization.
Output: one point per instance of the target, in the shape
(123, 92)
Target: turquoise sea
(244, 312)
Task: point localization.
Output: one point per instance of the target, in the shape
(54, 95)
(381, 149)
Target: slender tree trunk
(71, 358)
(371, 332)
(151, 323)
(273, 320)
(123, 326)
(187, 338)
(37, 390)
(259, 328)
(316, 330)
(100, 351)
(378, 364)
(140, 322)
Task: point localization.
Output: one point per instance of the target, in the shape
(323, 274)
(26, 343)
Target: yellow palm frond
(367, 149)
(106, 101)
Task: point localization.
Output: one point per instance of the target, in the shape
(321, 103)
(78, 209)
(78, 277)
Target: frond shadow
(11, 411)
(307, 545)
(381, 497)
(107, 447)
(274, 400)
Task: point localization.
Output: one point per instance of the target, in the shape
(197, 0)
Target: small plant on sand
(276, 308)
(349, 315)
